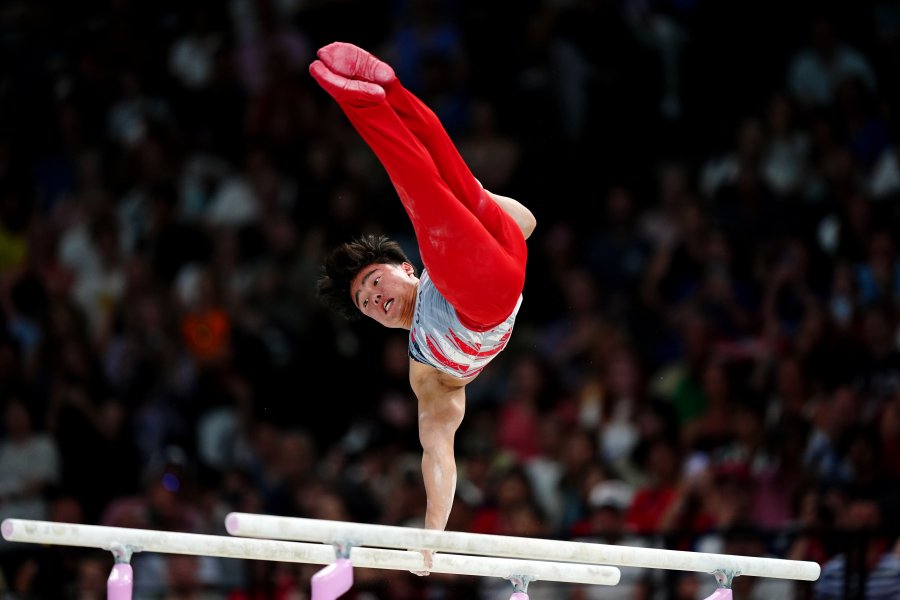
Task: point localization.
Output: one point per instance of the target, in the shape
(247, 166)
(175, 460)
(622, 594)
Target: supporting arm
(441, 410)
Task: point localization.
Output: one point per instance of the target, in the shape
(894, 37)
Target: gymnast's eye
(377, 279)
(365, 302)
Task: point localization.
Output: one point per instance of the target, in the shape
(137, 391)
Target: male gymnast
(461, 309)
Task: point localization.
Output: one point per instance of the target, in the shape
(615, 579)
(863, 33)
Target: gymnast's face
(386, 293)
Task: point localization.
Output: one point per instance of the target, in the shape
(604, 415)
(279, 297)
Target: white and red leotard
(438, 337)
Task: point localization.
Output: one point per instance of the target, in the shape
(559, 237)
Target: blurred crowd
(708, 353)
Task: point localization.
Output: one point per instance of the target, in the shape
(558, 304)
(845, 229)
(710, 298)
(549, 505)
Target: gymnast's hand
(427, 560)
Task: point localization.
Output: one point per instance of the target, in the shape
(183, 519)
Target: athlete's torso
(438, 338)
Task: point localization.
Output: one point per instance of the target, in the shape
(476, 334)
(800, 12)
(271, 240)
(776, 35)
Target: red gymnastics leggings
(474, 252)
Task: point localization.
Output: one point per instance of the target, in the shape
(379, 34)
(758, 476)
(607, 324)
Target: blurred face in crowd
(578, 451)
(844, 409)
(528, 378)
(860, 514)
(662, 464)
(715, 384)
(386, 293)
(330, 506)
(91, 579)
(619, 206)
(780, 114)
(751, 139)
(881, 254)
(523, 520)
(182, 572)
(823, 38)
(17, 421)
(877, 333)
(623, 375)
(512, 489)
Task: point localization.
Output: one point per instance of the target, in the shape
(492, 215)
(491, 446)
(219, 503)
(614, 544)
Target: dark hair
(345, 261)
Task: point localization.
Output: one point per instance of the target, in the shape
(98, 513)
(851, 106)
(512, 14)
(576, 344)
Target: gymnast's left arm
(515, 209)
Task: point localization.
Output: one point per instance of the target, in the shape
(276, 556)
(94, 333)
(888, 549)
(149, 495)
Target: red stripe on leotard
(476, 352)
(463, 369)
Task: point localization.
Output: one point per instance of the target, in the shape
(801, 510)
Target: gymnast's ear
(408, 268)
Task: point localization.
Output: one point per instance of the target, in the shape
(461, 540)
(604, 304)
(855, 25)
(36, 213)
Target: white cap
(612, 493)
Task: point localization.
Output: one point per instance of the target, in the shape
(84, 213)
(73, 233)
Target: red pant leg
(481, 274)
(425, 125)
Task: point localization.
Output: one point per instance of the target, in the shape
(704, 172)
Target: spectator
(427, 31)
(610, 404)
(878, 375)
(878, 276)
(884, 178)
(785, 159)
(608, 502)
(868, 134)
(815, 72)
(500, 513)
(192, 55)
(29, 464)
(877, 557)
(834, 417)
(98, 291)
(616, 253)
(653, 499)
(137, 114)
(565, 343)
(527, 400)
(747, 542)
(90, 582)
(889, 433)
(262, 35)
(494, 156)
(713, 428)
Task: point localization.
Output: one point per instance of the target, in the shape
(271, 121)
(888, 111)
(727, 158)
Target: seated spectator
(878, 276)
(662, 468)
(747, 542)
(879, 559)
(493, 155)
(785, 159)
(867, 132)
(815, 71)
(617, 253)
(29, 465)
(498, 514)
(889, 431)
(523, 408)
(91, 575)
(608, 502)
(884, 178)
(834, 417)
(714, 427)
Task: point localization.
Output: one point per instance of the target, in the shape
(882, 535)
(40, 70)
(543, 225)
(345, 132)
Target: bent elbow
(437, 440)
(529, 223)
(436, 432)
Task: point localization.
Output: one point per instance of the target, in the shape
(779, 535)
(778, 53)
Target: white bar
(145, 540)
(361, 534)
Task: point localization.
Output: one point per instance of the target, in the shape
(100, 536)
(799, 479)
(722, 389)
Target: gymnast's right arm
(442, 404)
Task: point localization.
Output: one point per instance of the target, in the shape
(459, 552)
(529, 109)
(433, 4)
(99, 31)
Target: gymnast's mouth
(387, 304)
